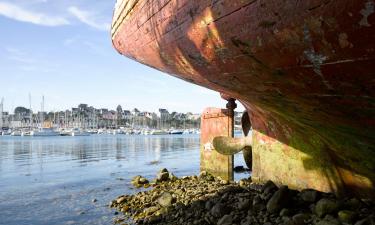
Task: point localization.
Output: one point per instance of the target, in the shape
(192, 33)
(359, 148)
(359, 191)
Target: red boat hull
(303, 69)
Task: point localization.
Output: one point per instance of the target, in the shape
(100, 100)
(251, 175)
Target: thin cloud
(15, 12)
(88, 18)
(30, 62)
(18, 55)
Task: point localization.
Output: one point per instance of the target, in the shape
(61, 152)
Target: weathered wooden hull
(303, 69)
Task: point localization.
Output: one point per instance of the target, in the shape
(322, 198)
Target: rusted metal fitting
(231, 105)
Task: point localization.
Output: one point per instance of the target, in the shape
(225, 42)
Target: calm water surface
(54, 180)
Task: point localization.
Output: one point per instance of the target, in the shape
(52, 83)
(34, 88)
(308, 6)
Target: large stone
(162, 176)
(135, 179)
(138, 181)
(279, 200)
(326, 206)
(309, 195)
(164, 170)
(219, 210)
(165, 199)
(269, 187)
(143, 180)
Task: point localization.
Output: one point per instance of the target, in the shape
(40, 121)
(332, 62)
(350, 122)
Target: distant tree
(119, 109)
(21, 110)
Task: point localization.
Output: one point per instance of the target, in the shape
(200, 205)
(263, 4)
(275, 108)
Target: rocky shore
(205, 200)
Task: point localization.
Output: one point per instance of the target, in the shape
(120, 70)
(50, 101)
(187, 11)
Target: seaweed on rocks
(206, 200)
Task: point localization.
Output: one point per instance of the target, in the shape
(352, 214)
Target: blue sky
(62, 49)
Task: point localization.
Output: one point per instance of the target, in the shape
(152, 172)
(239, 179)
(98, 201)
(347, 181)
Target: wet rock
(121, 200)
(163, 175)
(326, 206)
(172, 177)
(143, 180)
(269, 187)
(165, 199)
(139, 181)
(309, 195)
(346, 216)
(279, 200)
(219, 210)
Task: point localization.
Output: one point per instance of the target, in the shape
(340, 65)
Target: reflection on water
(54, 180)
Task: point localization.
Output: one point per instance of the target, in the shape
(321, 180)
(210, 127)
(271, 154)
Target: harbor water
(71, 180)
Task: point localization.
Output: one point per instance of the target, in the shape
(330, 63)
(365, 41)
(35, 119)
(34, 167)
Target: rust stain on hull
(303, 69)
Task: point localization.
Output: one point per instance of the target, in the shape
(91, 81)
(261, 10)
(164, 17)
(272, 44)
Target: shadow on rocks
(206, 200)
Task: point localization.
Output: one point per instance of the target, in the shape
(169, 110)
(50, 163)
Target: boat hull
(304, 70)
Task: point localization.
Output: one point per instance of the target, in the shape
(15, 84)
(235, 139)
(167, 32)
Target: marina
(85, 121)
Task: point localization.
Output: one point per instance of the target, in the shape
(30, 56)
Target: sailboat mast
(42, 113)
(1, 113)
(31, 112)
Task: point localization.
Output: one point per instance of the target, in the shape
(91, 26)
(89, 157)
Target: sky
(62, 49)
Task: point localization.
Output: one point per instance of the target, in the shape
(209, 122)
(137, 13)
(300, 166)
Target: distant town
(90, 118)
(84, 116)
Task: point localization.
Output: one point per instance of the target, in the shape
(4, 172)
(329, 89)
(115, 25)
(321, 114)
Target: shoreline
(206, 199)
